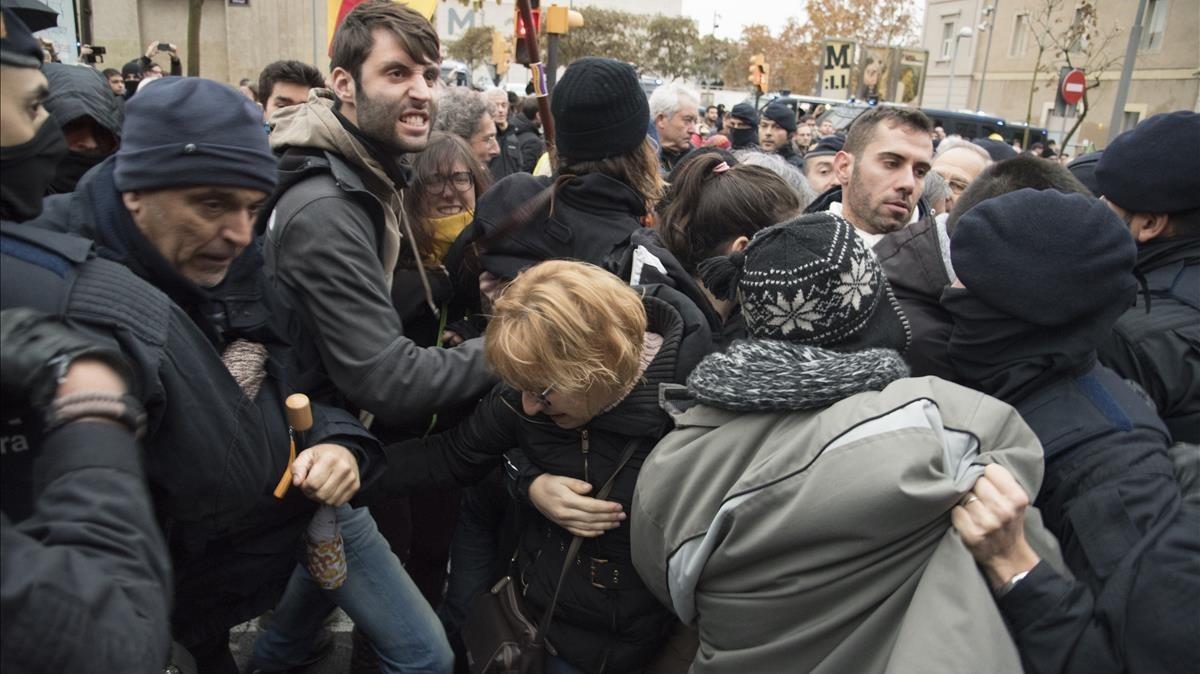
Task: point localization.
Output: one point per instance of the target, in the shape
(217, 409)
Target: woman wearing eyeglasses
(580, 355)
(440, 202)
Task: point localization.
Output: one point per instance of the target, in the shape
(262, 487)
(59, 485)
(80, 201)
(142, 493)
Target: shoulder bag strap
(544, 625)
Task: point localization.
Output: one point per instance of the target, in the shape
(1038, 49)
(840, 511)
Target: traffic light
(757, 71)
(764, 84)
(500, 51)
(522, 51)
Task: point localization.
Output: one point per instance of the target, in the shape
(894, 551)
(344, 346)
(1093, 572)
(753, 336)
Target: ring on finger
(971, 498)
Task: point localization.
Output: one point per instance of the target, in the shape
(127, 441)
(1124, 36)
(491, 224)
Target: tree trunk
(1078, 120)
(1037, 66)
(195, 9)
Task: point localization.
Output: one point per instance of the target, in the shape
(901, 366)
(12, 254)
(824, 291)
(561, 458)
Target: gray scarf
(764, 375)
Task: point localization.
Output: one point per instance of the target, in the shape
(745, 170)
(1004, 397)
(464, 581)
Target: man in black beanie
(1043, 276)
(741, 127)
(1148, 176)
(775, 132)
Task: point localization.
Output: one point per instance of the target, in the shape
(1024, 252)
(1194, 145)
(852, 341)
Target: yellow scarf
(445, 230)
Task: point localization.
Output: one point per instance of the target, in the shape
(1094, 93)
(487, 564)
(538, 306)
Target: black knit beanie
(599, 110)
(812, 281)
(1043, 256)
(189, 131)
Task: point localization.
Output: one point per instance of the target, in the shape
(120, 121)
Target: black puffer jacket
(1156, 343)
(606, 620)
(213, 455)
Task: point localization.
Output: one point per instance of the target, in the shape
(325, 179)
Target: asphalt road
(242, 637)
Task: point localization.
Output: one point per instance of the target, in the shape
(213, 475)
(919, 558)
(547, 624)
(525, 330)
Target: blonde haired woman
(580, 356)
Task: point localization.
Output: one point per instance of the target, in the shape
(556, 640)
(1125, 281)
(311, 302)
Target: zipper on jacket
(583, 444)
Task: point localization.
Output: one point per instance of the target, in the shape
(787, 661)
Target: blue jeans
(378, 596)
(474, 560)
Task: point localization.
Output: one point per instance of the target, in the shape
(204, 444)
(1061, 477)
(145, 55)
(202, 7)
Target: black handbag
(499, 635)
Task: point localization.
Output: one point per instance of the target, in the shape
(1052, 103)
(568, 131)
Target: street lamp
(990, 13)
(964, 32)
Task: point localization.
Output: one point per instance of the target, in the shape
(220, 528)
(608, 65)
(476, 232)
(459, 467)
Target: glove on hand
(35, 350)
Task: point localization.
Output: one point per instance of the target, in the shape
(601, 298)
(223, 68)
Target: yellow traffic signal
(757, 72)
(764, 83)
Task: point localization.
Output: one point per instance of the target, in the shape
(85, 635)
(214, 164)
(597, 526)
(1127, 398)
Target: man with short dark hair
(286, 83)
(741, 127)
(882, 171)
(115, 82)
(333, 235)
(776, 129)
(1148, 177)
(711, 123)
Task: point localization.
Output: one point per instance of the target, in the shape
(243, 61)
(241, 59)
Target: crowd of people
(708, 390)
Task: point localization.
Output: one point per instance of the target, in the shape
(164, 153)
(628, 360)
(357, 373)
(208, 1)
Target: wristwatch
(123, 409)
(1012, 582)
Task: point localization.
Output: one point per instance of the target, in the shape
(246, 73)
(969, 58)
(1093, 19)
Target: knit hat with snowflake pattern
(810, 280)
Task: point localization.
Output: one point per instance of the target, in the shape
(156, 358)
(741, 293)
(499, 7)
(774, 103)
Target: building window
(1020, 34)
(947, 39)
(1154, 25)
(1130, 119)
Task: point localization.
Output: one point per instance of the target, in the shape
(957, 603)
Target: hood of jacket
(302, 133)
(314, 125)
(523, 220)
(76, 91)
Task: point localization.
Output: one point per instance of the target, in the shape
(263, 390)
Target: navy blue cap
(18, 46)
(1152, 168)
(189, 131)
(746, 113)
(827, 146)
(781, 115)
(1084, 169)
(1044, 256)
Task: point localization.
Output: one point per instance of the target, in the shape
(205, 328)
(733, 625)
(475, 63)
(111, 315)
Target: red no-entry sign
(1074, 84)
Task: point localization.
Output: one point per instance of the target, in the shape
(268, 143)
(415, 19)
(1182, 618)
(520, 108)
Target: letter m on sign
(837, 55)
(456, 22)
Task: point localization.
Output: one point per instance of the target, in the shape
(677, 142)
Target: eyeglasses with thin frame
(461, 180)
(541, 397)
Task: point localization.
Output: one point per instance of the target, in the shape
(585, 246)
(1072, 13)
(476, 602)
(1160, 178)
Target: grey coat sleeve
(86, 581)
(326, 259)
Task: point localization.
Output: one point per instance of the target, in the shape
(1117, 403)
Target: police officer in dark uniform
(1148, 176)
(86, 577)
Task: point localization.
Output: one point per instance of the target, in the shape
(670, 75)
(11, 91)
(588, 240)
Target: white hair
(491, 93)
(791, 175)
(669, 98)
(953, 143)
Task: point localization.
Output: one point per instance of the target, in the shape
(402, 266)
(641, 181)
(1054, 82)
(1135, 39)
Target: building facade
(1166, 75)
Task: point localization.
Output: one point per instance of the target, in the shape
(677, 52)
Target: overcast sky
(733, 15)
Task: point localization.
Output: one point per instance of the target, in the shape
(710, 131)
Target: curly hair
(459, 110)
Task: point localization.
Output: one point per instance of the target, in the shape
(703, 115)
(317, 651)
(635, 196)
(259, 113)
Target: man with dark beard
(882, 170)
(333, 233)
